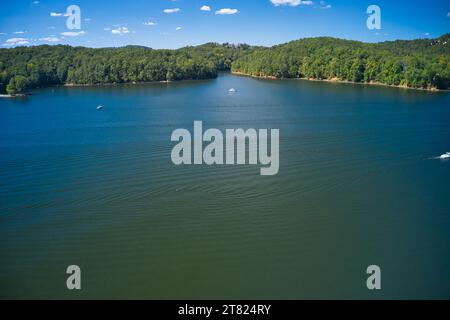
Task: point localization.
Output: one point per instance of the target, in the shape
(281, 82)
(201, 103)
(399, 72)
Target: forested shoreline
(24, 68)
(421, 64)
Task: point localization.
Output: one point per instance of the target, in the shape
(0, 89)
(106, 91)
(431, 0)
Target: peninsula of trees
(25, 68)
(423, 64)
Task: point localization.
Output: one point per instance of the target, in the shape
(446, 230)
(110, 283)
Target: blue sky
(258, 22)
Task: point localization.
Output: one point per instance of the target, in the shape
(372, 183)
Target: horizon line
(218, 43)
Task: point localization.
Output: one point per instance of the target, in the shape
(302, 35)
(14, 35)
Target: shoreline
(75, 85)
(12, 96)
(235, 73)
(335, 80)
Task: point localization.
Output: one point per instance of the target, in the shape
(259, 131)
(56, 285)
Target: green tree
(16, 85)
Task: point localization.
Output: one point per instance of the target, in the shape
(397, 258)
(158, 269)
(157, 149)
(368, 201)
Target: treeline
(417, 63)
(24, 68)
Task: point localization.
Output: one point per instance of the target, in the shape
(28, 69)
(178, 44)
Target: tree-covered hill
(421, 63)
(23, 68)
(417, 63)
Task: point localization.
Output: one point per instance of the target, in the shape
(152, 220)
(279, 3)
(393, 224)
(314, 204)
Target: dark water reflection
(97, 188)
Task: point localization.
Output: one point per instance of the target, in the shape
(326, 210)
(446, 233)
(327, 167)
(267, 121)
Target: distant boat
(99, 107)
(445, 156)
(232, 90)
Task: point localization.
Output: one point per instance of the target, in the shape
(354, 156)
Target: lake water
(357, 186)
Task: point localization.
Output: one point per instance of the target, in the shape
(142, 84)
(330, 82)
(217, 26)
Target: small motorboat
(232, 90)
(99, 107)
(445, 156)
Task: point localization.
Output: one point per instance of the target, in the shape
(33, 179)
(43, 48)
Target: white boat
(445, 156)
(232, 90)
(99, 107)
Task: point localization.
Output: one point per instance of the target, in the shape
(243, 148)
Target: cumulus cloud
(292, 3)
(205, 8)
(120, 31)
(17, 42)
(49, 39)
(172, 10)
(324, 5)
(72, 33)
(227, 11)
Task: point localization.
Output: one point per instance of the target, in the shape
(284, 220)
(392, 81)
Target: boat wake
(445, 156)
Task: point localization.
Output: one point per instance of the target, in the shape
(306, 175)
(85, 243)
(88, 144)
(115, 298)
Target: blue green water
(357, 186)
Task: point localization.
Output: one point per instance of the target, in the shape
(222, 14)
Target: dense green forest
(421, 63)
(23, 68)
(418, 63)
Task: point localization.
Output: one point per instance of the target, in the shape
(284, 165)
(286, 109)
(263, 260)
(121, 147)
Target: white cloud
(20, 32)
(205, 8)
(178, 28)
(55, 14)
(16, 42)
(150, 23)
(324, 5)
(448, 14)
(50, 39)
(292, 3)
(12, 40)
(120, 31)
(72, 33)
(172, 10)
(227, 11)
(36, 2)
